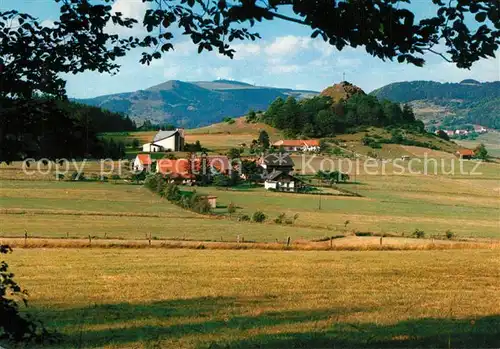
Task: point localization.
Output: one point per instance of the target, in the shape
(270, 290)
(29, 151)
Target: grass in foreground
(240, 299)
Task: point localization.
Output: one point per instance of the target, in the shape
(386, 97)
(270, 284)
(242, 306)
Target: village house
(186, 170)
(142, 162)
(166, 141)
(282, 181)
(293, 145)
(480, 129)
(465, 153)
(276, 162)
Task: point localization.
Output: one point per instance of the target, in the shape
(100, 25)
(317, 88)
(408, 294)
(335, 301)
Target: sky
(286, 56)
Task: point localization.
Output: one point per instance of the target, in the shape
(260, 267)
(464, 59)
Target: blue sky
(286, 56)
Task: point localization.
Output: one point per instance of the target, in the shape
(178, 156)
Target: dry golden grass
(179, 298)
(348, 243)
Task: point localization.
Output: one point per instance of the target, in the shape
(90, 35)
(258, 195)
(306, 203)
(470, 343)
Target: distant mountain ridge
(469, 101)
(193, 104)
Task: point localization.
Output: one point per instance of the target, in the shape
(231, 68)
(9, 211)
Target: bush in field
(280, 218)
(138, 176)
(231, 208)
(155, 182)
(419, 234)
(449, 234)
(76, 176)
(173, 193)
(115, 177)
(200, 204)
(244, 218)
(259, 217)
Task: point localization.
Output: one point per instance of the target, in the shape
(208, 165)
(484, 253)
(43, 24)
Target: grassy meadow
(179, 296)
(148, 298)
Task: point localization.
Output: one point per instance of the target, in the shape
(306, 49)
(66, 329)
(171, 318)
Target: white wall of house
(138, 166)
(151, 148)
(270, 185)
(167, 143)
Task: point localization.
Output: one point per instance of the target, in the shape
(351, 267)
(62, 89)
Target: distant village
(275, 169)
(456, 133)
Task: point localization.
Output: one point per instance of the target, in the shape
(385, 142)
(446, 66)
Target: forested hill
(192, 104)
(469, 101)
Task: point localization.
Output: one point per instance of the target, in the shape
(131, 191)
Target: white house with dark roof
(282, 181)
(166, 141)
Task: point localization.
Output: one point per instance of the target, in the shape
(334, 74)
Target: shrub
(76, 176)
(115, 177)
(200, 204)
(244, 218)
(155, 183)
(449, 234)
(259, 217)
(231, 208)
(280, 218)
(363, 233)
(59, 176)
(419, 234)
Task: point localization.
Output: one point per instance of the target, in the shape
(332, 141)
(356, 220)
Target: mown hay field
(149, 298)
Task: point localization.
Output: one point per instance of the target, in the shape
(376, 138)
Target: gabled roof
(275, 175)
(179, 166)
(164, 134)
(145, 159)
(297, 143)
(278, 159)
(465, 152)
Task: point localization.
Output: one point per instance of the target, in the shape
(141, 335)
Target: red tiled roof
(465, 152)
(168, 166)
(297, 143)
(179, 167)
(145, 159)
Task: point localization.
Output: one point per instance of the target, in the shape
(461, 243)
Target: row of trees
(322, 117)
(170, 191)
(51, 128)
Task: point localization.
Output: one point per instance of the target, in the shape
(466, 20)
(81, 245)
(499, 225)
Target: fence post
(90, 240)
(288, 242)
(381, 240)
(25, 237)
(331, 242)
(149, 239)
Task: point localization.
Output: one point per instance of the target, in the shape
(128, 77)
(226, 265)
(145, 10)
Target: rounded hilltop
(343, 90)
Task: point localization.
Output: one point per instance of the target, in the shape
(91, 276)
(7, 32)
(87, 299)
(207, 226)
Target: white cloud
(287, 45)
(245, 50)
(283, 69)
(222, 72)
(171, 72)
(129, 9)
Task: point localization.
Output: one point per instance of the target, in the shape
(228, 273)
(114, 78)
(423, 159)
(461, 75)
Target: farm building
(282, 181)
(298, 145)
(166, 141)
(186, 169)
(465, 153)
(142, 162)
(276, 162)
